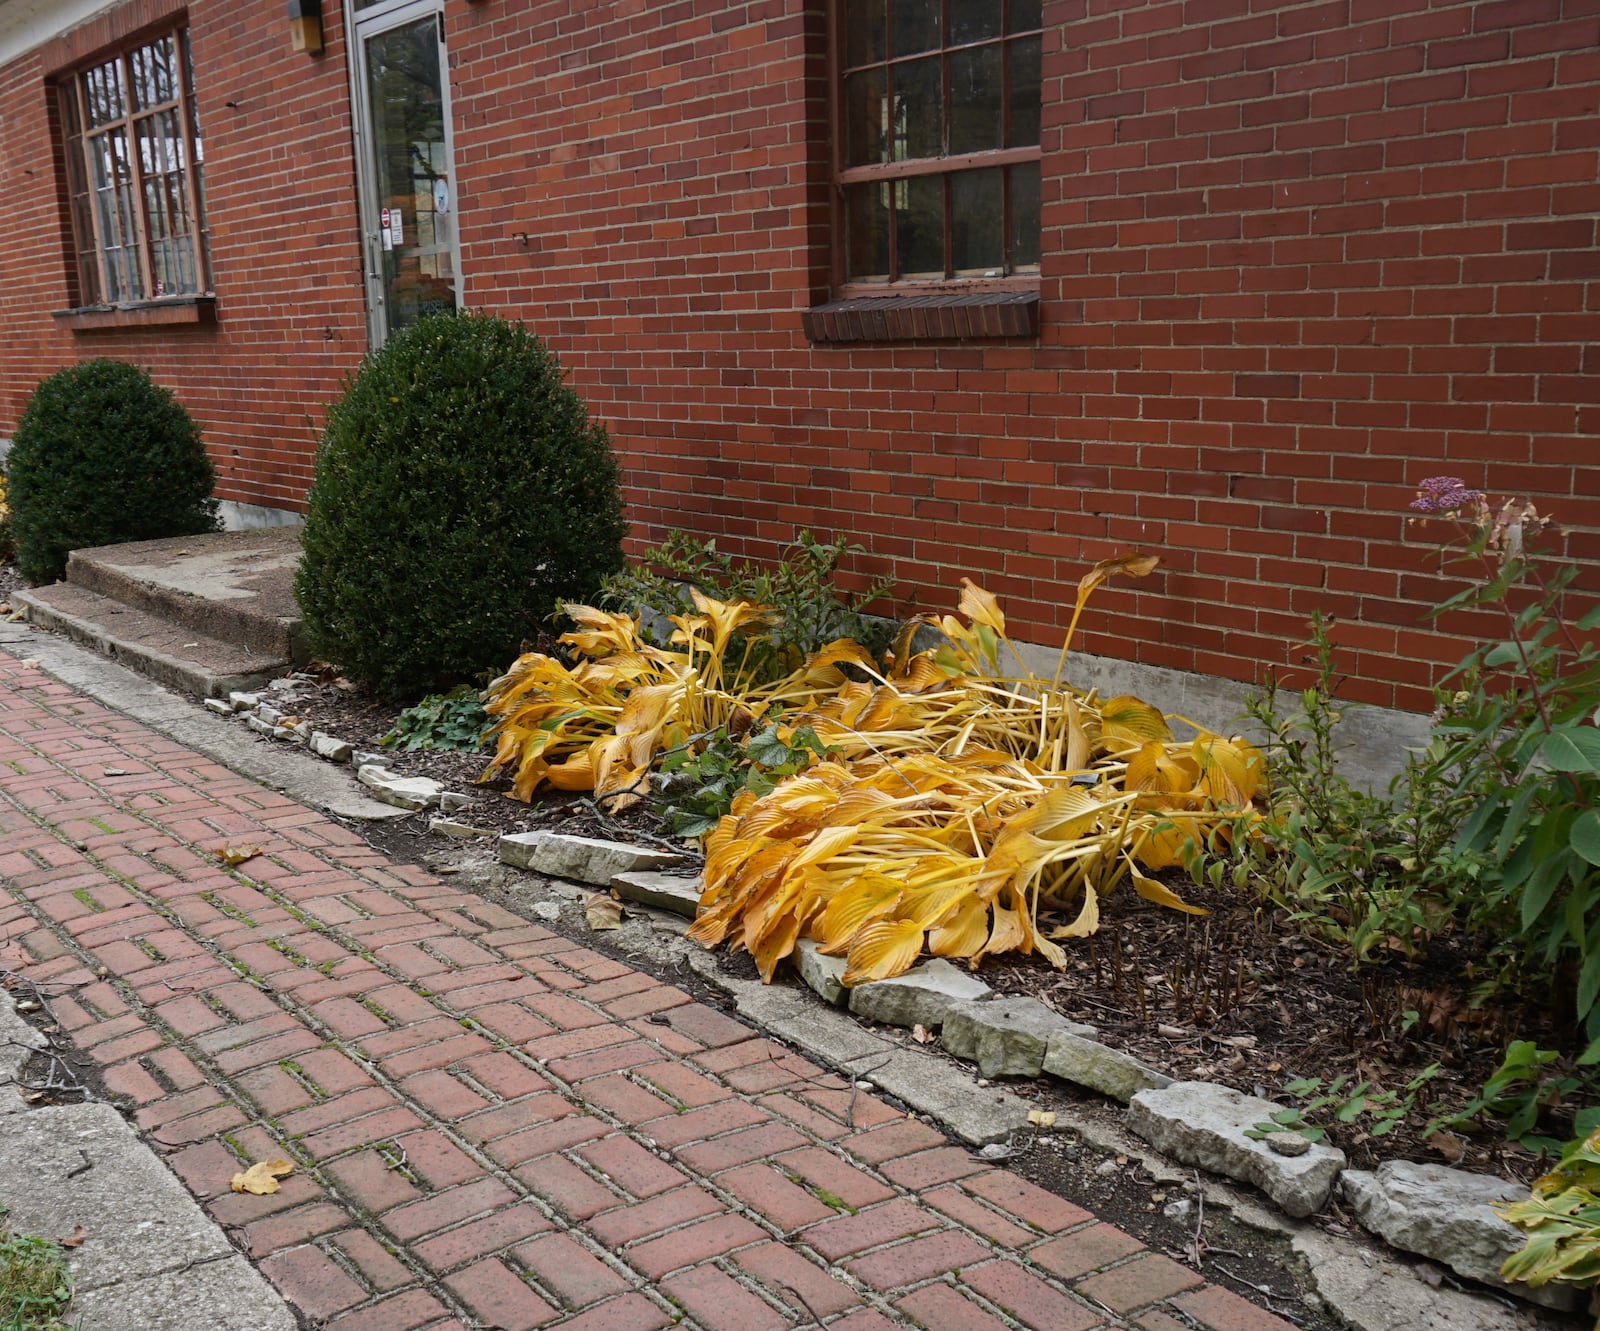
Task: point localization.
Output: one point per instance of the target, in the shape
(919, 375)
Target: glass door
(406, 165)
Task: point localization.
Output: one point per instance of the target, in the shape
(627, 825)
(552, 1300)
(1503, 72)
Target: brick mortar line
(325, 854)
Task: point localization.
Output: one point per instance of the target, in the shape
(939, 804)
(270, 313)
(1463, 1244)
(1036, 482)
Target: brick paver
(492, 1125)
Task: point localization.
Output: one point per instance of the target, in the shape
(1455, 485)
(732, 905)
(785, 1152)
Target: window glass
(1025, 16)
(973, 21)
(133, 174)
(1024, 191)
(975, 99)
(867, 231)
(914, 25)
(918, 110)
(866, 115)
(864, 32)
(1022, 59)
(977, 222)
(919, 227)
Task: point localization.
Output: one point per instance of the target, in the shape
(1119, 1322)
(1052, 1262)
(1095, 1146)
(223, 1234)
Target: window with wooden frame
(936, 157)
(135, 174)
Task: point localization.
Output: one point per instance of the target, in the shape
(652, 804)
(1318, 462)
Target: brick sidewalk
(493, 1126)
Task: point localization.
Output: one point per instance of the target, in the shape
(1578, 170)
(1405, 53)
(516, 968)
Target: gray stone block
(582, 859)
(825, 975)
(920, 997)
(1198, 1123)
(1446, 1216)
(404, 792)
(1087, 1062)
(1006, 1037)
(673, 892)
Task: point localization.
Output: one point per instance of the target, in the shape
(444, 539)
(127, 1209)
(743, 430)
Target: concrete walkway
(492, 1125)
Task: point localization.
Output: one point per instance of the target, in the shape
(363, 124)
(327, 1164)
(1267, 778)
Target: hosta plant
(1561, 1218)
(953, 806)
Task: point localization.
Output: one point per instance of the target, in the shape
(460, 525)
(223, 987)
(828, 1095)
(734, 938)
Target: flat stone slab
(1199, 1123)
(449, 827)
(1085, 1062)
(150, 1258)
(331, 747)
(581, 859)
(1446, 1216)
(920, 997)
(404, 792)
(1005, 1037)
(673, 892)
(824, 974)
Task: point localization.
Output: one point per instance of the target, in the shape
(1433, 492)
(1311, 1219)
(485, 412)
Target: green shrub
(802, 587)
(103, 455)
(460, 492)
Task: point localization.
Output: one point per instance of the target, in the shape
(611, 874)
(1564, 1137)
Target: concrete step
(234, 586)
(171, 653)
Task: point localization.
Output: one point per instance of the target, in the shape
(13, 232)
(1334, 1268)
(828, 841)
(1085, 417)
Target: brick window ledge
(910, 318)
(139, 314)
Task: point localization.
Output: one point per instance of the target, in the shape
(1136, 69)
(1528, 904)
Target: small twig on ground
(804, 1303)
(1267, 1293)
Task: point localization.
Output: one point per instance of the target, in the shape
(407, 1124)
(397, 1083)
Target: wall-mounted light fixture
(305, 25)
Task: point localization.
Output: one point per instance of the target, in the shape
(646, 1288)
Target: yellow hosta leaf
(1088, 918)
(1133, 565)
(882, 950)
(1153, 890)
(1129, 720)
(980, 607)
(964, 933)
(1230, 769)
(261, 1178)
(852, 907)
(236, 852)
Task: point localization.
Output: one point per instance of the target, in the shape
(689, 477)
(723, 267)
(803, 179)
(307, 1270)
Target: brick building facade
(1291, 258)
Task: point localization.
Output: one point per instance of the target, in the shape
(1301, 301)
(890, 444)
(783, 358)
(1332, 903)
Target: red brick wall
(1297, 257)
(276, 130)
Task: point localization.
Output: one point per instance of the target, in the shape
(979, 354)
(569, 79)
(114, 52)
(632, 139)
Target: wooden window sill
(139, 314)
(946, 316)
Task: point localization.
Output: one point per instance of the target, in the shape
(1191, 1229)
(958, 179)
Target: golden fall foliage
(961, 809)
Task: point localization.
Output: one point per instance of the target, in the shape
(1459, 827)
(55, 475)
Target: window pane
(1025, 16)
(867, 231)
(866, 113)
(919, 226)
(154, 74)
(918, 110)
(102, 87)
(914, 25)
(1022, 56)
(863, 32)
(976, 224)
(975, 99)
(1024, 182)
(973, 20)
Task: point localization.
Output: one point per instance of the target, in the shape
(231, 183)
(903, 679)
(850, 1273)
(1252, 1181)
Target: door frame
(359, 26)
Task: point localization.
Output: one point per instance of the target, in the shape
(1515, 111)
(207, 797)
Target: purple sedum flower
(1444, 494)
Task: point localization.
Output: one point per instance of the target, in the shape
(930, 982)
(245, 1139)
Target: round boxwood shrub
(102, 455)
(460, 492)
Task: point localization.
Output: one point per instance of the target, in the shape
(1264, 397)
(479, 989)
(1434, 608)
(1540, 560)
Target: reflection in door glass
(412, 172)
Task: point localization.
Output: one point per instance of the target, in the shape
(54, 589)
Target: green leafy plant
(35, 1286)
(1523, 735)
(460, 491)
(701, 781)
(1374, 1110)
(103, 455)
(1561, 1217)
(1377, 873)
(810, 610)
(1523, 1090)
(454, 720)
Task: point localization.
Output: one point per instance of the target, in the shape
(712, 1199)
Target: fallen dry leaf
(74, 1239)
(1447, 1144)
(1042, 1118)
(236, 854)
(262, 1177)
(921, 1034)
(603, 912)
